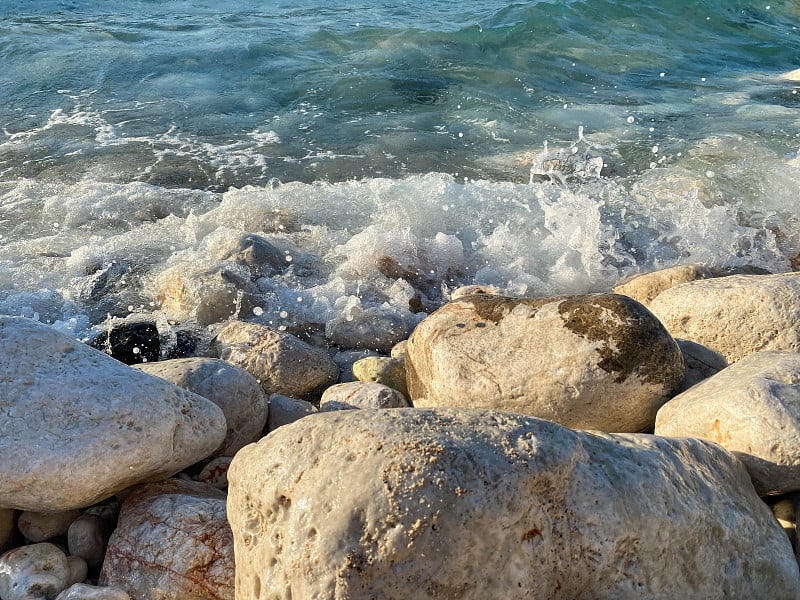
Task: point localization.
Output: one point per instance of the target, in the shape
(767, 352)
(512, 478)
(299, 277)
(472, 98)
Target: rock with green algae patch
(596, 361)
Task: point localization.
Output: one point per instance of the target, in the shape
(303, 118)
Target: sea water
(390, 151)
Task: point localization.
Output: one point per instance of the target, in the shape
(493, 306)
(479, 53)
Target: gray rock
(172, 542)
(481, 504)
(600, 361)
(280, 362)
(40, 527)
(78, 569)
(752, 409)
(86, 426)
(735, 315)
(372, 328)
(87, 538)
(33, 572)
(250, 250)
(82, 591)
(699, 363)
(283, 410)
(361, 394)
(645, 287)
(234, 390)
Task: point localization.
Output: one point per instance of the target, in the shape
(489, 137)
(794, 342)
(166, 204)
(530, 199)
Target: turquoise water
(135, 132)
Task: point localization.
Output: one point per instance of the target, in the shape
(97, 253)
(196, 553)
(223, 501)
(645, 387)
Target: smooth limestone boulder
(281, 362)
(599, 361)
(433, 504)
(646, 286)
(752, 409)
(80, 426)
(234, 390)
(735, 315)
(172, 542)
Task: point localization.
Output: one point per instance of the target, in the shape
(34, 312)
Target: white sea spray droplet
(630, 119)
(283, 314)
(654, 150)
(258, 311)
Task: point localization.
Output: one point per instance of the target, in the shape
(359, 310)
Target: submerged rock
(752, 409)
(86, 426)
(600, 361)
(735, 315)
(480, 504)
(132, 340)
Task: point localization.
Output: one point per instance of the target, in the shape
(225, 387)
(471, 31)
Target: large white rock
(79, 426)
(410, 503)
(234, 390)
(82, 591)
(751, 408)
(282, 363)
(172, 542)
(599, 361)
(735, 315)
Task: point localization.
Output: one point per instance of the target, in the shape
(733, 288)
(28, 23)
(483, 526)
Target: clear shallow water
(138, 135)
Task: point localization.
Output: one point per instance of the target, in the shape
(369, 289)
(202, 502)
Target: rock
(482, 504)
(205, 295)
(786, 514)
(279, 361)
(78, 569)
(283, 410)
(82, 591)
(752, 409)
(234, 390)
(345, 360)
(472, 290)
(643, 288)
(735, 315)
(215, 473)
(373, 328)
(699, 363)
(33, 572)
(599, 361)
(7, 516)
(87, 426)
(399, 350)
(172, 542)
(88, 537)
(382, 369)
(361, 394)
(133, 340)
(256, 253)
(40, 527)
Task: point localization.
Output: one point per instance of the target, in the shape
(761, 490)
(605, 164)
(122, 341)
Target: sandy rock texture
(752, 409)
(447, 503)
(71, 409)
(281, 363)
(383, 369)
(599, 361)
(234, 390)
(735, 315)
(172, 542)
(645, 287)
(361, 394)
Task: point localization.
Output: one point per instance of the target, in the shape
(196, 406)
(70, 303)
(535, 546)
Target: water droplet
(258, 311)
(630, 119)
(710, 174)
(283, 314)
(654, 150)
(288, 258)
(136, 350)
